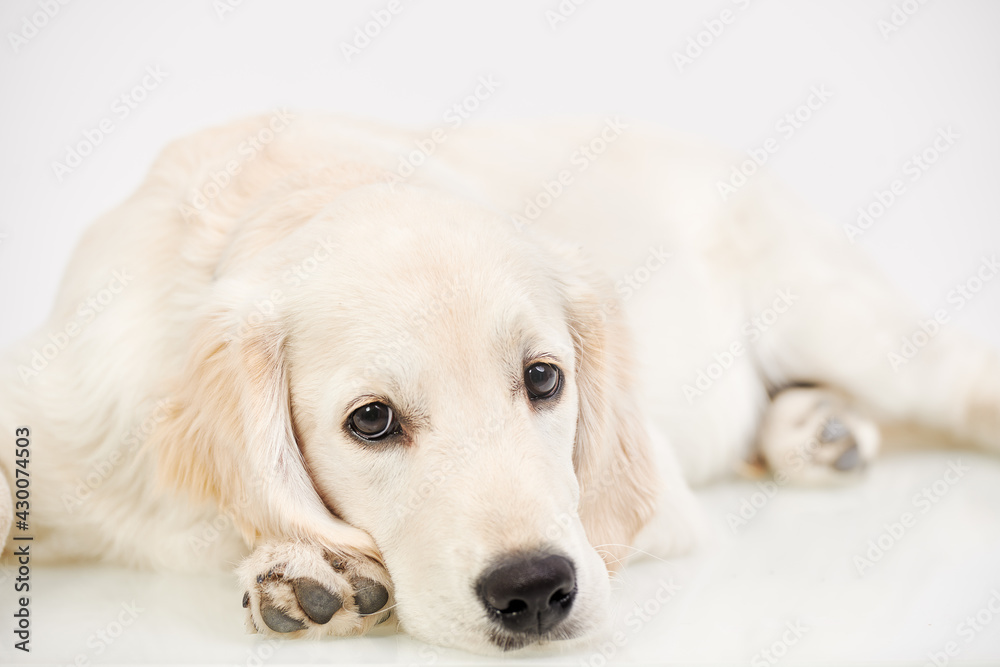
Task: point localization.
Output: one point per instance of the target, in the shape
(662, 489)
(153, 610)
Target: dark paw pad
(318, 603)
(277, 620)
(833, 430)
(850, 459)
(370, 596)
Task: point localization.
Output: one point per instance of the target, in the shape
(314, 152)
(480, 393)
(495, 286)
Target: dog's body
(194, 393)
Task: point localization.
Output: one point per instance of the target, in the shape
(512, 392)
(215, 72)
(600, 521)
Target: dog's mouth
(510, 641)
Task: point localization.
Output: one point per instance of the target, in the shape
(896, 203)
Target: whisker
(626, 546)
(383, 609)
(607, 555)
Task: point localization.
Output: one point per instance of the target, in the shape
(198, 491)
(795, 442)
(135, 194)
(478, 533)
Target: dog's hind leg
(899, 367)
(852, 331)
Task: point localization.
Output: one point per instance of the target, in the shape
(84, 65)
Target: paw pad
(370, 596)
(278, 620)
(318, 603)
(304, 590)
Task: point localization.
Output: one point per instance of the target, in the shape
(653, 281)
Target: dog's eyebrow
(534, 353)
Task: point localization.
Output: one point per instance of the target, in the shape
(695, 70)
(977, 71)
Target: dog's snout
(529, 594)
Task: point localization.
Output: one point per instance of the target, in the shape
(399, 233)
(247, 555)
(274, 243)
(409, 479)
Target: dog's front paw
(297, 589)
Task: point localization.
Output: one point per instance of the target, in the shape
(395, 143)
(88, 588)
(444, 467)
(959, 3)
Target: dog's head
(452, 386)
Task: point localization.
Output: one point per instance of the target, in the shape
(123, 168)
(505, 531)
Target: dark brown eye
(373, 421)
(542, 380)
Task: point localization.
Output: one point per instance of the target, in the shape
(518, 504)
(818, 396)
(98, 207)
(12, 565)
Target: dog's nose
(529, 594)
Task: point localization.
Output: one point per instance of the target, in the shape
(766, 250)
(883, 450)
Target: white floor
(786, 582)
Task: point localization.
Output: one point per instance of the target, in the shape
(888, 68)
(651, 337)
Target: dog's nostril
(560, 597)
(529, 594)
(515, 607)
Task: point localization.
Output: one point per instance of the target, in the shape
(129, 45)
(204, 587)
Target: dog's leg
(296, 589)
(853, 338)
(847, 327)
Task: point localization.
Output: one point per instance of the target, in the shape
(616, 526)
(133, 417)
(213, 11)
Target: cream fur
(201, 413)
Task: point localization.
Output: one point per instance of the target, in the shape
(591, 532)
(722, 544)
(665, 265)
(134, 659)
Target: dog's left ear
(612, 456)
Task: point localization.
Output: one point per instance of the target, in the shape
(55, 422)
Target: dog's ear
(228, 438)
(612, 455)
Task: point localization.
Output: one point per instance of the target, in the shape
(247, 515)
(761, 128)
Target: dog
(450, 380)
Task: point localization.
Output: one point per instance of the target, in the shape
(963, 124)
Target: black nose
(529, 594)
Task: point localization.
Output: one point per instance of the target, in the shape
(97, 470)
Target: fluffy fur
(224, 328)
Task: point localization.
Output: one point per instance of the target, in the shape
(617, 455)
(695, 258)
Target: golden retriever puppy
(396, 370)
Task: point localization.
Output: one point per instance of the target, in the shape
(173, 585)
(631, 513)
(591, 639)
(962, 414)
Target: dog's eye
(542, 380)
(373, 421)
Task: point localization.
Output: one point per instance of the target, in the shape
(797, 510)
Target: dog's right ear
(228, 438)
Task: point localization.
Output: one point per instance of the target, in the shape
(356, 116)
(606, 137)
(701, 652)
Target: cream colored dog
(395, 366)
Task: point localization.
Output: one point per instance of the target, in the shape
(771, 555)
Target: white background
(891, 94)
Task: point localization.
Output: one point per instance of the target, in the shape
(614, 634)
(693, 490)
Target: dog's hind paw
(296, 589)
(813, 435)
